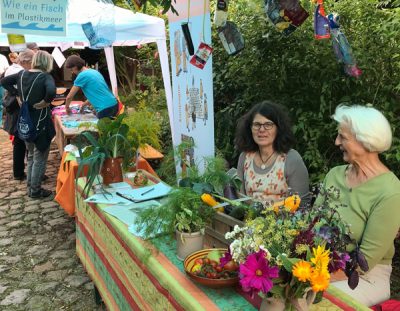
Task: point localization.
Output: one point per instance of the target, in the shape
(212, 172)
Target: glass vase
(295, 304)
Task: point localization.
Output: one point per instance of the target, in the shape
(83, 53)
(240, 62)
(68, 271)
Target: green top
(373, 211)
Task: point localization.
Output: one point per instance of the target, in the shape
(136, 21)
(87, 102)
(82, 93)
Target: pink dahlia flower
(256, 274)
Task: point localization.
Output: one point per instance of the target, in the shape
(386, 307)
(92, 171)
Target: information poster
(39, 17)
(192, 86)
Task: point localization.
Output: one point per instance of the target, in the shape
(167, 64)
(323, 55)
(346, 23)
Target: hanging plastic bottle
(342, 48)
(221, 13)
(321, 22)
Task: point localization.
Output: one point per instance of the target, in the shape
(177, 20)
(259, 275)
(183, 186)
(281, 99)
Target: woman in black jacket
(38, 89)
(11, 111)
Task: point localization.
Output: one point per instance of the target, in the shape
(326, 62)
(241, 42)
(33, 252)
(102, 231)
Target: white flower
(267, 253)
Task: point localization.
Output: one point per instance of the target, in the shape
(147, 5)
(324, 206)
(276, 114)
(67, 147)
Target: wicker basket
(221, 224)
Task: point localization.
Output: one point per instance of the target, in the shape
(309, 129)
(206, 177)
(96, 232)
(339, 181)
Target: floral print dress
(270, 185)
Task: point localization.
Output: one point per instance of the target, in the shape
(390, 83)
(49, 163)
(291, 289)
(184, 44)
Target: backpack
(27, 131)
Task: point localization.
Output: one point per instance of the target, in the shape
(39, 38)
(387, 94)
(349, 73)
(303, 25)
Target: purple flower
(225, 259)
(325, 233)
(256, 275)
(338, 261)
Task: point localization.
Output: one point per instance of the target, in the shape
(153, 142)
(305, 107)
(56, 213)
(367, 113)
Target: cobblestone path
(39, 269)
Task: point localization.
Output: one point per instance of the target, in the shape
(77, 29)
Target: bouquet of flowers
(289, 252)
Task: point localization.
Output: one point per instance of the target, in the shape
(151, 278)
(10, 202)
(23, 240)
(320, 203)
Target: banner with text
(39, 17)
(192, 82)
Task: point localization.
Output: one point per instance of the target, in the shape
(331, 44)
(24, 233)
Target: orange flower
(302, 270)
(320, 280)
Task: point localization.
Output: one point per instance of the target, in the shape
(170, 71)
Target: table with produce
(133, 271)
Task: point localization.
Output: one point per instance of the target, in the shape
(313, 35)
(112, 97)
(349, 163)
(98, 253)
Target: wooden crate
(215, 233)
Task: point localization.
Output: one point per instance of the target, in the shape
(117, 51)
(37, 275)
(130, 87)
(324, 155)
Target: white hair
(368, 125)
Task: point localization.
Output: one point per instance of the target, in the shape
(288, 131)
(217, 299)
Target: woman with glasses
(268, 166)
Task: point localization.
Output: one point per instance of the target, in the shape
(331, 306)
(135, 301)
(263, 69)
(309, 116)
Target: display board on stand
(192, 82)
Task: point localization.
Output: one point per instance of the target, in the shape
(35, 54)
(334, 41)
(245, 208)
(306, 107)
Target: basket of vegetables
(212, 267)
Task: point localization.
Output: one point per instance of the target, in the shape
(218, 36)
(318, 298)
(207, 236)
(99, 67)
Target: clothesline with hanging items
(287, 16)
(203, 53)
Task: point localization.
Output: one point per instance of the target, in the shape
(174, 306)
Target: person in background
(15, 64)
(370, 193)
(32, 46)
(39, 84)
(24, 61)
(3, 67)
(13, 58)
(94, 87)
(268, 166)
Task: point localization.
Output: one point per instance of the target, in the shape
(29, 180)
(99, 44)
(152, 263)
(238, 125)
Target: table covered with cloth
(132, 274)
(65, 189)
(67, 126)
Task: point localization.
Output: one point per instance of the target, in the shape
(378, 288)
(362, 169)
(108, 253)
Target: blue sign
(39, 17)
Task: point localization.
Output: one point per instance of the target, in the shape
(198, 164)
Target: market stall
(131, 29)
(131, 274)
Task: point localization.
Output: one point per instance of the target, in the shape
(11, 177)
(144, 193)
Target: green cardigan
(373, 211)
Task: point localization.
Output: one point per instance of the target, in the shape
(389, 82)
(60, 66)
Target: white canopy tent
(131, 29)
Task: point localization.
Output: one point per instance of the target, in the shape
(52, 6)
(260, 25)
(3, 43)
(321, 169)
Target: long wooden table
(131, 274)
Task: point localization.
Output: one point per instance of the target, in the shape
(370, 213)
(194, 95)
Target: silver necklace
(263, 165)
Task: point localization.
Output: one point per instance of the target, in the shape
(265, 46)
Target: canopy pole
(162, 50)
(109, 51)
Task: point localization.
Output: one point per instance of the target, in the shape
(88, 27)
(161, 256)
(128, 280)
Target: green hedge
(302, 73)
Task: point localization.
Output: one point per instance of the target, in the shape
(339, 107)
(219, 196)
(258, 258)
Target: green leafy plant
(217, 175)
(287, 69)
(110, 141)
(182, 210)
(144, 127)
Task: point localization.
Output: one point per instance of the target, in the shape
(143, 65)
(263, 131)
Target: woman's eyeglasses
(256, 126)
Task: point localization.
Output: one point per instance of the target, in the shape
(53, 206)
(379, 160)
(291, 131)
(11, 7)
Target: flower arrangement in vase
(289, 252)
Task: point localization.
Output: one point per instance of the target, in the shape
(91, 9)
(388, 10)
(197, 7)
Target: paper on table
(110, 198)
(143, 194)
(117, 187)
(140, 233)
(127, 213)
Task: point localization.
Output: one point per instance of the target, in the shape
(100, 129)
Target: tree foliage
(303, 74)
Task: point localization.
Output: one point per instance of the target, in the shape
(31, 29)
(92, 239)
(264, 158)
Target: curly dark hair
(284, 140)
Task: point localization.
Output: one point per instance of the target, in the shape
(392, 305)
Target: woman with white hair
(370, 194)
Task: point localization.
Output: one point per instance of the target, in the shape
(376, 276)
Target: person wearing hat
(32, 46)
(93, 86)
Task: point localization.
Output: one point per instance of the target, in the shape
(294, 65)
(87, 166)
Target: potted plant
(116, 142)
(104, 152)
(183, 213)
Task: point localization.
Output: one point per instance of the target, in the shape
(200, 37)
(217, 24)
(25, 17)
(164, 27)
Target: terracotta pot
(188, 243)
(298, 304)
(111, 171)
